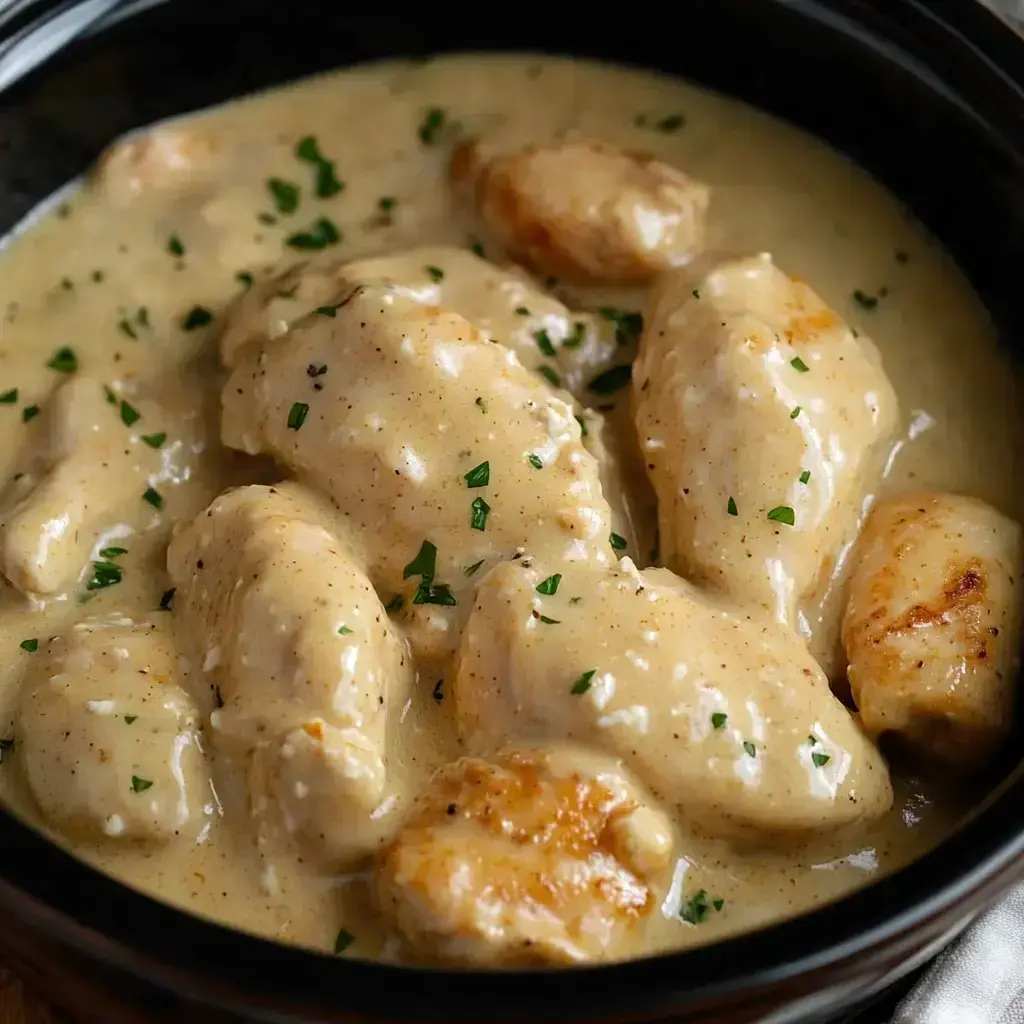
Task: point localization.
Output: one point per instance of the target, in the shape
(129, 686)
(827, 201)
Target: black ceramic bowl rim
(106, 922)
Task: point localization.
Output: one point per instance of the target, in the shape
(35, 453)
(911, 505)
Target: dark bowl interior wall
(894, 83)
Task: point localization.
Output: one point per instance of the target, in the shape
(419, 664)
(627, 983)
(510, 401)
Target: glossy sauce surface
(127, 241)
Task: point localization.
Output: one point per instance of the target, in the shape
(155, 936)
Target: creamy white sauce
(104, 253)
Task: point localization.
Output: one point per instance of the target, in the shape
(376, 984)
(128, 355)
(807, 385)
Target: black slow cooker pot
(927, 94)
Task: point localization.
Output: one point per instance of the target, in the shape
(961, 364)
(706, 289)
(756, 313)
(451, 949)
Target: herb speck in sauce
(285, 195)
(129, 414)
(431, 125)
(174, 246)
(140, 785)
(31, 645)
(30, 412)
(782, 514)
(197, 316)
(479, 476)
(550, 585)
(297, 415)
(153, 497)
(478, 514)
(583, 683)
(864, 300)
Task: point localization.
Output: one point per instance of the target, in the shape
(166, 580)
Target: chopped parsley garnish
(30, 412)
(749, 749)
(549, 622)
(434, 593)
(98, 275)
(575, 600)
(345, 631)
(522, 311)
(67, 284)
(424, 564)
(864, 300)
(574, 340)
(297, 415)
(480, 511)
(154, 440)
(583, 683)
(285, 195)
(718, 719)
(395, 604)
(799, 365)
(782, 514)
(125, 327)
(696, 909)
(550, 376)
(266, 218)
(331, 311)
(321, 234)
(611, 380)
(695, 293)
(198, 316)
(244, 277)
(550, 585)
(128, 719)
(174, 246)
(617, 542)
(167, 599)
(386, 204)
(129, 414)
(104, 574)
(435, 274)
(479, 476)
(820, 760)
(669, 124)
(470, 569)
(327, 184)
(140, 785)
(64, 360)
(628, 326)
(805, 476)
(143, 316)
(111, 395)
(431, 125)
(153, 497)
(113, 552)
(9, 397)
(30, 645)
(544, 343)
(343, 941)
(796, 412)
(534, 461)
(478, 249)
(731, 507)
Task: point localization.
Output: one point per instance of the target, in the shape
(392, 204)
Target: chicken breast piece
(933, 623)
(533, 858)
(445, 453)
(585, 210)
(297, 662)
(717, 708)
(764, 421)
(504, 304)
(86, 466)
(108, 739)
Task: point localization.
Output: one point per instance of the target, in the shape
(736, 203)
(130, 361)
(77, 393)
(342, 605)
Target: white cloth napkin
(980, 978)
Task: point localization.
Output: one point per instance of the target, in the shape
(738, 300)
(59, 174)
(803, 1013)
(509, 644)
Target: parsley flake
(782, 514)
(167, 599)
(583, 683)
(470, 569)
(197, 316)
(174, 246)
(9, 397)
(550, 585)
(113, 552)
(424, 564)
(30, 412)
(535, 461)
(154, 440)
(628, 325)
(435, 274)
(550, 376)
(796, 412)
(431, 125)
(544, 343)
(718, 719)
(29, 645)
(805, 476)
(128, 719)
(345, 631)
(153, 497)
(799, 365)
(343, 941)
(575, 339)
(731, 507)
(321, 234)
(104, 574)
(696, 909)
(820, 760)
(550, 622)
(617, 542)
(480, 511)
(297, 415)
(245, 278)
(479, 476)
(140, 785)
(864, 300)
(749, 749)
(64, 360)
(434, 593)
(522, 311)
(285, 195)
(129, 414)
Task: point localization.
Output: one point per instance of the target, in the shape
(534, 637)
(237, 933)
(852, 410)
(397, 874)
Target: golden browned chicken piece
(531, 858)
(931, 630)
(586, 210)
